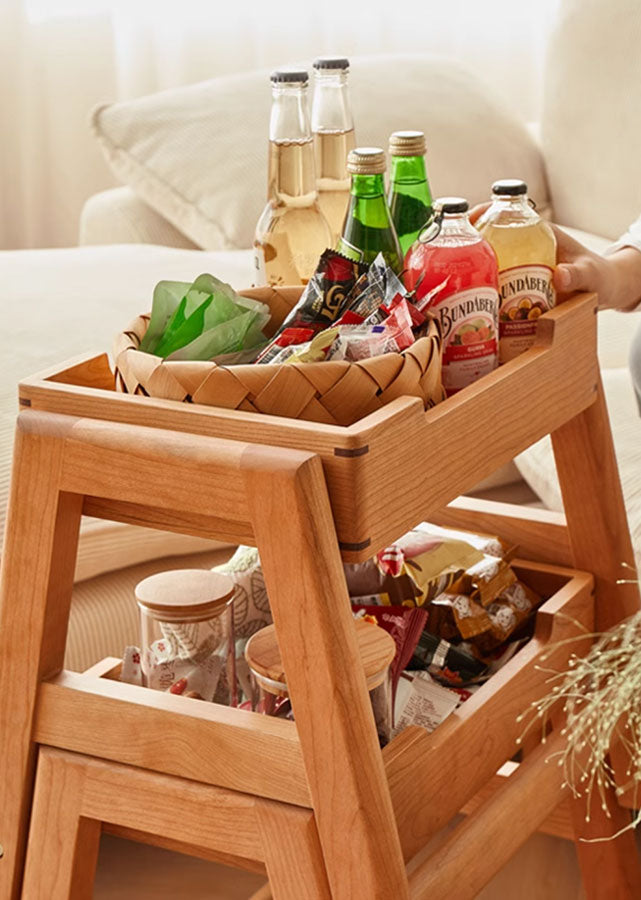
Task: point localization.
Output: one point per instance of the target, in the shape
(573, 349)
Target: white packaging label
(526, 292)
(259, 274)
(469, 321)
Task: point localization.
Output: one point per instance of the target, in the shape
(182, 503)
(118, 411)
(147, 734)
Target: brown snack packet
(506, 614)
(456, 616)
(485, 581)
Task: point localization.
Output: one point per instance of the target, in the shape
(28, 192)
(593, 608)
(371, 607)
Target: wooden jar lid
(184, 595)
(375, 646)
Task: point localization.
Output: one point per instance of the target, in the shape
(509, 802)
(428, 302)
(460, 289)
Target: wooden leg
(293, 854)
(35, 593)
(295, 531)
(595, 512)
(63, 845)
(600, 543)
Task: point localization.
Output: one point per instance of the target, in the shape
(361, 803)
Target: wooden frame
(310, 497)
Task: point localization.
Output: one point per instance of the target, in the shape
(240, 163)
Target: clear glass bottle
(291, 232)
(333, 130)
(525, 247)
(410, 197)
(455, 275)
(377, 650)
(187, 634)
(368, 229)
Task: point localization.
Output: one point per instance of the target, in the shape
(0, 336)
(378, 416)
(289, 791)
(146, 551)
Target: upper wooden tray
(390, 469)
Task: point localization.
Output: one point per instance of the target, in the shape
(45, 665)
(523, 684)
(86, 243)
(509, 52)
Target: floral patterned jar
(187, 634)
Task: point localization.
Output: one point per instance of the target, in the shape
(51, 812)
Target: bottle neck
(331, 109)
(289, 120)
(367, 186)
(455, 228)
(407, 170)
(506, 209)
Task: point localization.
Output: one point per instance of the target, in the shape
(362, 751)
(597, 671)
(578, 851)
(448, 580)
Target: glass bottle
(455, 275)
(525, 247)
(333, 130)
(368, 228)
(410, 198)
(187, 634)
(376, 649)
(291, 232)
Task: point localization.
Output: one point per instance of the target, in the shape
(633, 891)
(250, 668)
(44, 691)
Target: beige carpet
(545, 868)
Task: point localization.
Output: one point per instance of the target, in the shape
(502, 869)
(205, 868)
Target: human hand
(616, 278)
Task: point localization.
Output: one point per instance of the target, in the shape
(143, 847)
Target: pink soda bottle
(454, 273)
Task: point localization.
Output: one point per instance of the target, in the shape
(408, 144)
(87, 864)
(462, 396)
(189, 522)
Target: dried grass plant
(600, 697)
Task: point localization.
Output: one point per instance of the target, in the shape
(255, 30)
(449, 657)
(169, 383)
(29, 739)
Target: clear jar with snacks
(187, 634)
(376, 649)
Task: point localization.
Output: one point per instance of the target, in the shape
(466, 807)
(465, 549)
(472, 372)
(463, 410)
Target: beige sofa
(192, 163)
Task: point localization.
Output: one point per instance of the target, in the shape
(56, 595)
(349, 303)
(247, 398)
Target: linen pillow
(198, 154)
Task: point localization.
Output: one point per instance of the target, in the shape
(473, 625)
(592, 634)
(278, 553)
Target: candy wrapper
(506, 615)
(323, 299)
(287, 338)
(448, 663)
(484, 581)
(195, 676)
(456, 616)
(405, 625)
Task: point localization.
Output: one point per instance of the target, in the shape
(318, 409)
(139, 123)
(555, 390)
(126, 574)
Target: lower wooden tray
(431, 776)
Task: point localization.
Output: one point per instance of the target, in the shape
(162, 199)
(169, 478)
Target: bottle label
(526, 292)
(469, 323)
(259, 274)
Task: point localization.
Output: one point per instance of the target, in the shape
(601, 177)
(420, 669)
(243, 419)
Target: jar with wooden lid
(376, 649)
(187, 634)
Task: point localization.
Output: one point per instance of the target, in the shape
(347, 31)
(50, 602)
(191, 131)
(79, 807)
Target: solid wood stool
(310, 497)
(76, 797)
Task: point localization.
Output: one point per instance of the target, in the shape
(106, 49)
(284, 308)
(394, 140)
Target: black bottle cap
(451, 205)
(509, 187)
(331, 62)
(283, 76)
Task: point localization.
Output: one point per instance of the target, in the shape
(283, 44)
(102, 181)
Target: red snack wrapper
(405, 624)
(286, 338)
(349, 317)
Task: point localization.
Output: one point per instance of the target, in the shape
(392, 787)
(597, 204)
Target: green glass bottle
(410, 198)
(368, 228)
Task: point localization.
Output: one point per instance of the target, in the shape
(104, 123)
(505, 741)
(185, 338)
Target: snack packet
(484, 581)
(506, 614)
(456, 616)
(404, 624)
(287, 338)
(323, 299)
(315, 350)
(432, 562)
(449, 663)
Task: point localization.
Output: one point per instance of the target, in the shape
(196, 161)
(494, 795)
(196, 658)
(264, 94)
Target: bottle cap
(449, 205)
(509, 187)
(331, 62)
(376, 649)
(289, 76)
(366, 161)
(407, 143)
(184, 595)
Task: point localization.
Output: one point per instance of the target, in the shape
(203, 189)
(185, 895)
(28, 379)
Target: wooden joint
(349, 452)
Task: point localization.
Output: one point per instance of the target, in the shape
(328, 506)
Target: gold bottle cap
(407, 143)
(366, 161)
(185, 595)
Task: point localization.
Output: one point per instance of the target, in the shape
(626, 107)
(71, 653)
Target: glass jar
(187, 634)
(270, 697)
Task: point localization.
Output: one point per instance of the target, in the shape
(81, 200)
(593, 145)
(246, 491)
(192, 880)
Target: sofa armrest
(118, 216)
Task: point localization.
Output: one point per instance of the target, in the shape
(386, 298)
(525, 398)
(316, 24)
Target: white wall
(58, 58)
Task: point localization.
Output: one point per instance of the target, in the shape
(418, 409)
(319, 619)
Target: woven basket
(338, 393)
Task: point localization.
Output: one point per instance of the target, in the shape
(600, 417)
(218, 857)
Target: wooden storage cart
(315, 804)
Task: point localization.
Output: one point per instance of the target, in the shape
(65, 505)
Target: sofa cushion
(536, 464)
(591, 130)
(198, 154)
